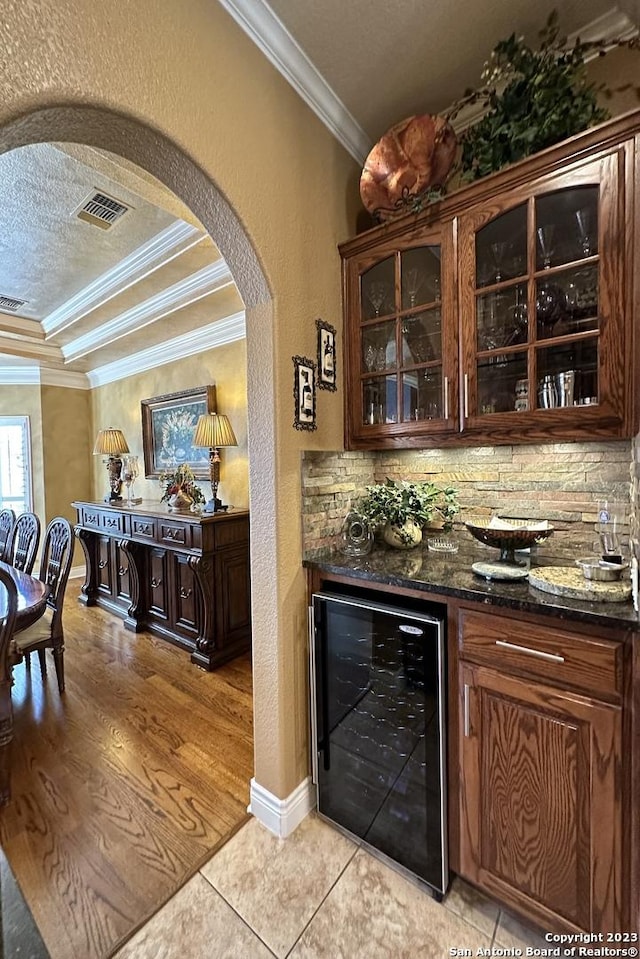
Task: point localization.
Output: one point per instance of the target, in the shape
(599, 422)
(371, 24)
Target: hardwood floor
(124, 785)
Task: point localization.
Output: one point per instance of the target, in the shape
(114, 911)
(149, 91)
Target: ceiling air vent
(9, 303)
(101, 210)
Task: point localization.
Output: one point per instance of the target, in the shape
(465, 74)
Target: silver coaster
(500, 571)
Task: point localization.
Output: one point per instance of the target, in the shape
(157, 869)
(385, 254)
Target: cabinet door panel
(158, 583)
(105, 566)
(541, 813)
(122, 576)
(186, 597)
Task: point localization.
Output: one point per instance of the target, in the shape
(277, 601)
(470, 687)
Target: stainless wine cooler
(378, 681)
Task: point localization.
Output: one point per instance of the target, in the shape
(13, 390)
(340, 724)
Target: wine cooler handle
(466, 396)
(446, 397)
(314, 704)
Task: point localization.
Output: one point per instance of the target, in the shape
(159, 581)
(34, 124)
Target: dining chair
(46, 632)
(7, 521)
(8, 607)
(24, 542)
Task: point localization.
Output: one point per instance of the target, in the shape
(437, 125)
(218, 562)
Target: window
(15, 463)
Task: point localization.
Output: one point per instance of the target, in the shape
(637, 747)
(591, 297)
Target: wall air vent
(9, 303)
(101, 210)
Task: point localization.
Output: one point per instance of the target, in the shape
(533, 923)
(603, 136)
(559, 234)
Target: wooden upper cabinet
(504, 313)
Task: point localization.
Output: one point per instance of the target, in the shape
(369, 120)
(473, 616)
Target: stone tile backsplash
(562, 482)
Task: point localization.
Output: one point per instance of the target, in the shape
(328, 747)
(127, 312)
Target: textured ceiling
(94, 296)
(387, 61)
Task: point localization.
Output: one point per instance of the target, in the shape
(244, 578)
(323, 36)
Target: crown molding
(228, 330)
(159, 250)
(271, 36)
(20, 375)
(204, 282)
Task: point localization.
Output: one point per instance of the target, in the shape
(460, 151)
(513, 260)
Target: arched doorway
(159, 156)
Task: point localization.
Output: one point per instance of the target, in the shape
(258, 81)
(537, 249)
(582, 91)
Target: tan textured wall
(25, 401)
(66, 441)
(118, 404)
(560, 482)
(187, 71)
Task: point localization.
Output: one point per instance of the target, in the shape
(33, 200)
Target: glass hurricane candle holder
(130, 472)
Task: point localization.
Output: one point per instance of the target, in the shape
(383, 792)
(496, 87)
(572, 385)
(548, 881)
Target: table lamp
(213, 431)
(111, 443)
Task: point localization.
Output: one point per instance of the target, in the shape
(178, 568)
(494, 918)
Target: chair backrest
(24, 542)
(55, 565)
(8, 607)
(7, 521)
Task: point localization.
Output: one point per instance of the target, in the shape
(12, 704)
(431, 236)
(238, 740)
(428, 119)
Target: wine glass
(498, 251)
(377, 294)
(413, 282)
(584, 221)
(545, 239)
(130, 472)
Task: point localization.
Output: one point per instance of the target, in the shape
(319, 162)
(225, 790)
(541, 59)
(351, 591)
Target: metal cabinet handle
(467, 720)
(185, 593)
(156, 582)
(446, 397)
(123, 571)
(102, 563)
(314, 705)
(554, 657)
(466, 395)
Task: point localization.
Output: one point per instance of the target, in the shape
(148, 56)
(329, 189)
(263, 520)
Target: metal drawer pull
(156, 582)
(185, 593)
(123, 570)
(102, 563)
(554, 657)
(467, 721)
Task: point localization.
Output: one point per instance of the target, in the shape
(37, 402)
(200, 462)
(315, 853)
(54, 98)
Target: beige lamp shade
(110, 442)
(213, 430)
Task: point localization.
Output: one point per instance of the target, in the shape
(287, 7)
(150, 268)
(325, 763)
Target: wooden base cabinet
(541, 815)
(182, 577)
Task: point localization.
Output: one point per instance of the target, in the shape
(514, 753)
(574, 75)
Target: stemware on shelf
(413, 281)
(545, 239)
(377, 294)
(584, 222)
(498, 252)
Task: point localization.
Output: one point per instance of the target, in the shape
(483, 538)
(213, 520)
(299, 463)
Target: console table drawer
(90, 518)
(173, 534)
(143, 528)
(113, 522)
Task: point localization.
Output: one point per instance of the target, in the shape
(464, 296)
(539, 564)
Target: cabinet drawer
(551, 654)
(113, 522)
(174, 534)
(234, 531)
(143, 528)
(90, 518)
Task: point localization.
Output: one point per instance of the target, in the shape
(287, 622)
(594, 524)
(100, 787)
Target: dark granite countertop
(451, 575)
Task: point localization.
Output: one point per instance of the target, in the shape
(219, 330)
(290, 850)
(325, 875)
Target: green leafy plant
(533, 97)
(395, 503)
(180, 478)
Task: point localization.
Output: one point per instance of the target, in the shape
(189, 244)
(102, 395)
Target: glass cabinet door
(539, 296)
(402, 374)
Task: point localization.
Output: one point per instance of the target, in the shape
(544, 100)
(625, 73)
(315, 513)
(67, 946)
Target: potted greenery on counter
(400, 510)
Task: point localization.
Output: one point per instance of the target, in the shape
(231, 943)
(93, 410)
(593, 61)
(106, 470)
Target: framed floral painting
(168, 425)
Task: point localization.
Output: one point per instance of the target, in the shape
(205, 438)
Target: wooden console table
(181, 576)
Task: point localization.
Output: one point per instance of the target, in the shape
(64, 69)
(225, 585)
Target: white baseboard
(282, 816)
(76, 571)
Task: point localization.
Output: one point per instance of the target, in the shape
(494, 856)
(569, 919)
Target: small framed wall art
(326, 356)
(304, 393)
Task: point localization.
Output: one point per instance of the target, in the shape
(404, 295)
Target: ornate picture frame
(327, 372)
(304, 393)
(168, 425)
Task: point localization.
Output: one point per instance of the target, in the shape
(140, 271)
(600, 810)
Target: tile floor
(316, 895)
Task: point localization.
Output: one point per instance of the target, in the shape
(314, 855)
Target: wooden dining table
(32, 597)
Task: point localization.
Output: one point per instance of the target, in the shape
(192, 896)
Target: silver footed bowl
(507, 540)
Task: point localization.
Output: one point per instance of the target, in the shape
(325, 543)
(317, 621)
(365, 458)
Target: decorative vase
(402, 537)
(180, 502)
(411, 157)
